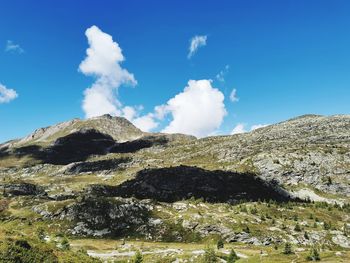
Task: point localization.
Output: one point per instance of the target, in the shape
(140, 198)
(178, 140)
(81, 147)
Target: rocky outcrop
(109, 165)
(106, 216)
(18, 189)
(305, 150)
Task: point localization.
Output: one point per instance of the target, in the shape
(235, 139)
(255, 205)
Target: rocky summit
(106, 190)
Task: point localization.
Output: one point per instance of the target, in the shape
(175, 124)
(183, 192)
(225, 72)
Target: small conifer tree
(138, 258)
(220, 244)
(287, 249)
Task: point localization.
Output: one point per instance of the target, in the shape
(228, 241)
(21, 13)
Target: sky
(196, 67)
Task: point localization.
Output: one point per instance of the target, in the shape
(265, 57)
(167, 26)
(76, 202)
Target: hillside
(104, 180)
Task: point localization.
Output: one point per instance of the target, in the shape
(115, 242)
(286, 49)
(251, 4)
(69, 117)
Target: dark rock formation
(96, 166)
(183, 182)
(22, 189)
(106, 216)
(77, 147)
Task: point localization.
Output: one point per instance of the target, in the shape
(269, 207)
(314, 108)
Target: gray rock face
(22, 189)
(308, 150)
(106, 216)
(119, 128)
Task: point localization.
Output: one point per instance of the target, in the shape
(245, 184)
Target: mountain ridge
(89, 181)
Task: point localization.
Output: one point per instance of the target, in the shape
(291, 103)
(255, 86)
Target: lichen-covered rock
(106, 216)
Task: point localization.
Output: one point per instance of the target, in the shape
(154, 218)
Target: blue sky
(285, 58)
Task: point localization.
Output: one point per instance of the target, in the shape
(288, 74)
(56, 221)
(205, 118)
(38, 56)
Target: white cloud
(221, 75)
(198, 110)
(233, 96)
(12, 47)
(239, 128)
(129, 112)
(6, 95)
(146, 123)
(195, 43)
(258, 126)
(103, 62)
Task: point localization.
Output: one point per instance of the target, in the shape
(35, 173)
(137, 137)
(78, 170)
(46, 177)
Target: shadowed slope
(184, 182)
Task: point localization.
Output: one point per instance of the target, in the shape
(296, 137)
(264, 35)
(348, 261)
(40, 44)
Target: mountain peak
(119, 128)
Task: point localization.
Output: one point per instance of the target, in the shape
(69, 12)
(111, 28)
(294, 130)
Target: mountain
(104, 178)
(118, 128)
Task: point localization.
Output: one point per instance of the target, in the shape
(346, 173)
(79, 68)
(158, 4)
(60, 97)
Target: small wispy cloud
(233, 96)
(12, 47)
(221, 75)
(6, 95)
(239, 128)
(195, 43)
(258, 126)
(242, 128)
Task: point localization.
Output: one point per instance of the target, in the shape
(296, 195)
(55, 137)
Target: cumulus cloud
(198, 110)
(6, 95)
(233, 96)
(239, 128)
(129, 112)
(221, 75)
(12, 47)
(103, 59)
(195, 43)
(146, 123)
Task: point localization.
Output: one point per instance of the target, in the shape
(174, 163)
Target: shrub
(138, 258)
(22, 251)
(297, 227)
(232, 257)
(220, 244)
(210, 256)
(326, 225)
(314, 255)
(65, 244)
(254, 211)
(288, 249)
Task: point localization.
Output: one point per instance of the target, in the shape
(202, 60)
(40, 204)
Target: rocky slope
(310, 151)
(103, 177)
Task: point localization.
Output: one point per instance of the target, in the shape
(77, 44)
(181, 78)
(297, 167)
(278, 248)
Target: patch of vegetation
(25, 251)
